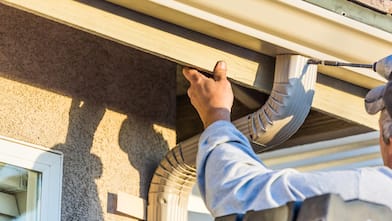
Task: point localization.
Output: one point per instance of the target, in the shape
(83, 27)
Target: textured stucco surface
(110, 109)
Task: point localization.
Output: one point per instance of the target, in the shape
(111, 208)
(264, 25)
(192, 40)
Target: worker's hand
(212, 97)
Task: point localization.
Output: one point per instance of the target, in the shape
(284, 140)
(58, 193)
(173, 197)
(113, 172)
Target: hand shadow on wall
(145, 147)
(81, 167)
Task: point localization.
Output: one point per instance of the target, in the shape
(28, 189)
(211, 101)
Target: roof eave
(277, 27)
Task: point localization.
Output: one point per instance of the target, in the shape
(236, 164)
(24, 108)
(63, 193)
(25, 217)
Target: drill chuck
(384, 67)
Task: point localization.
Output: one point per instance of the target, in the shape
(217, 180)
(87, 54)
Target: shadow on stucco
(81, 168)
(144, 154)
(98, 75)
(58, 58)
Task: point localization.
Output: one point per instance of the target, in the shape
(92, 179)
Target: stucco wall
(110, 109)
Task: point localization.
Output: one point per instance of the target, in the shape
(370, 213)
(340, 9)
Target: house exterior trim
(279, 27)
(246, 66)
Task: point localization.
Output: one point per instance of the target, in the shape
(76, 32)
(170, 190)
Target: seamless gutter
(277, 27)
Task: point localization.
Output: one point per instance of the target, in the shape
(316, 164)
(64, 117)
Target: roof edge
(301, 28)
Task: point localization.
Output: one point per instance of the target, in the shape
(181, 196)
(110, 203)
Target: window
(30, 182)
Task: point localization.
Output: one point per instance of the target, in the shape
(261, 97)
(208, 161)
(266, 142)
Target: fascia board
(150, 35)
(276, 27)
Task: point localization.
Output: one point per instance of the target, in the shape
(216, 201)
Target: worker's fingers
(220, 71)
(192, 75)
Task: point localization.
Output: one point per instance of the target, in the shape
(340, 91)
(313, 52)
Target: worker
(233, 180)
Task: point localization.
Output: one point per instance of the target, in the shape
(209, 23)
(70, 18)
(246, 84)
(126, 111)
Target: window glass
(19, 193)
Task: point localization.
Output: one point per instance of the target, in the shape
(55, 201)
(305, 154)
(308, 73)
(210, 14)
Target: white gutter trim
(343, 153)
(352, 142)
(366, 44)
(298, 4)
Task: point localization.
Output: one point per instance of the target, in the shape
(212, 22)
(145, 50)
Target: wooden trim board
(147, 34)
(131, 205)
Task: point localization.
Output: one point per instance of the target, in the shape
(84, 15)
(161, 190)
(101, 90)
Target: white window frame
(45, 161)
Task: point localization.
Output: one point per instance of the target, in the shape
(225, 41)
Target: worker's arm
(233, 180)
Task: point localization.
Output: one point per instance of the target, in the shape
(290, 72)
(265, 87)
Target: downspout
(278, 119)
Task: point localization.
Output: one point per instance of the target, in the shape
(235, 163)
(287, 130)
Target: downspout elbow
(287, 106)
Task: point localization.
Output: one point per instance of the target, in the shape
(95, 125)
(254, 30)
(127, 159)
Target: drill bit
(337, 63)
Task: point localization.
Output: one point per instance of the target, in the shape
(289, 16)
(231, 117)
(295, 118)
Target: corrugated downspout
(278, 119)
(287, 106)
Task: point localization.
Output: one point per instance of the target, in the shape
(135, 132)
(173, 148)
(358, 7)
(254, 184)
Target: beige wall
(110, 109)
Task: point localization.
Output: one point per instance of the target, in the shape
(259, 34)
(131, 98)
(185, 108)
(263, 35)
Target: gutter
(280, 27)
(279, 118)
